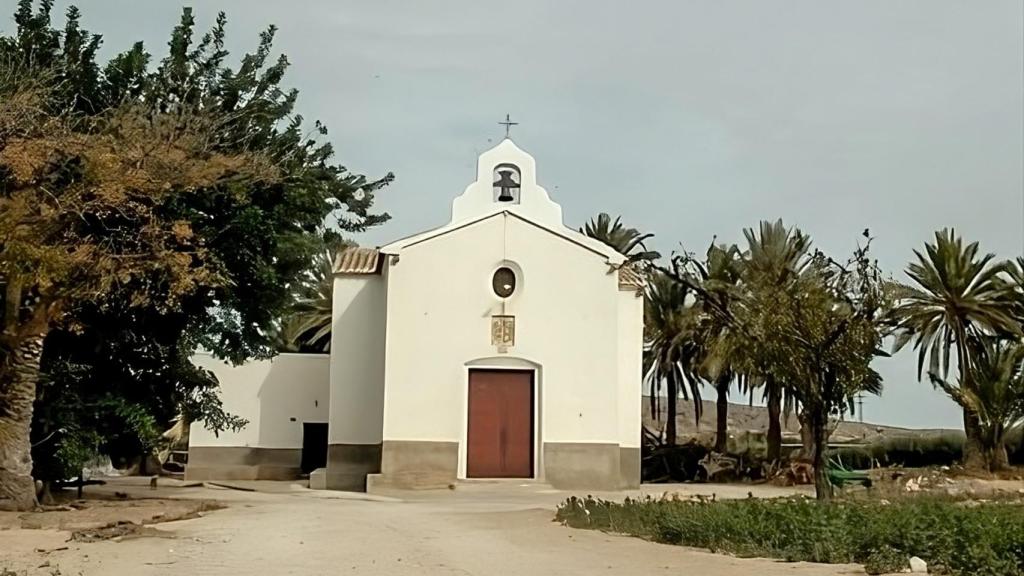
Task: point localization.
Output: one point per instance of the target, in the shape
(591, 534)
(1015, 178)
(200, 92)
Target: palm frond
(956, 295)
(626, 241)
(308, 326)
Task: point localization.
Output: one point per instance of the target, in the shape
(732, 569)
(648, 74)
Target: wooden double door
(499, 439)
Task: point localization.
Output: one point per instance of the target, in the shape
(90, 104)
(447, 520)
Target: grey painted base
(567, 466)
(411, 464)
(582, 466)
(349, 464)
(629, 468)
(417, 465)
(242, 463)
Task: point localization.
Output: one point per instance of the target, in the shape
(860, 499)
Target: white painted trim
(515, 364)
(394, 247)
(568, 234)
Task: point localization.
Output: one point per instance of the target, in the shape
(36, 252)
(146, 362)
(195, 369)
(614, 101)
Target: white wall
(357, 359)
(440, 303)
(631, 334)
(268, 393)
(296, 390)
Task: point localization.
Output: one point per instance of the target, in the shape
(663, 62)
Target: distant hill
(746, 418)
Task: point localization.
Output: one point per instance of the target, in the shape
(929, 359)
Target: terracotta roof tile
(630, 277)
(358, 261)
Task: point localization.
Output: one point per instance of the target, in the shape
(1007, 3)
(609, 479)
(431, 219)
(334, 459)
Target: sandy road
(476, 530)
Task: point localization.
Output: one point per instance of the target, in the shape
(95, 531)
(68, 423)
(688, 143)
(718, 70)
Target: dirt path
(475, 530)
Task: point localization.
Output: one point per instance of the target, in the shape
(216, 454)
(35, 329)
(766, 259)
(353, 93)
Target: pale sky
(690, 119)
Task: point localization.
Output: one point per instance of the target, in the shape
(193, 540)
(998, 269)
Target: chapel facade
(502, 344)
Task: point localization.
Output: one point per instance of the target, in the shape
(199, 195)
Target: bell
(506, 183)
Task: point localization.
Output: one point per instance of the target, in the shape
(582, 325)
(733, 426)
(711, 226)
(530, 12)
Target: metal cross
(508, 124)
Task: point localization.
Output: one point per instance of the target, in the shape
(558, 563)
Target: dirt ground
(486, 529)
(74, 515)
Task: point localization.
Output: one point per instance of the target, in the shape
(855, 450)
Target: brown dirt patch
(99, 519)
(116, 531)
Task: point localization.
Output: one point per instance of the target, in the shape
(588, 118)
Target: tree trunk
(18, 377)
(998, 459)
(774, 421)
(975, 457)
(974, 452)
(670, 419)
(996, 456)
(806, 436)
(46, 494)
(722, 417)
(819, 431)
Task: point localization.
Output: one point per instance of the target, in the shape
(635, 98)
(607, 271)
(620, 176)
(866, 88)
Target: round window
(504, 282)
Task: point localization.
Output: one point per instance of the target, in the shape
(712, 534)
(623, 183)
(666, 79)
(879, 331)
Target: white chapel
(502, 344)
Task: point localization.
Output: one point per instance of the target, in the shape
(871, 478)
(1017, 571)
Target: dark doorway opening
(314, 446)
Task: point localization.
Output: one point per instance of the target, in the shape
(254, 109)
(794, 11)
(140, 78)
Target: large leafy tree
(82, 216)
(260, 238)
(958, 295)
(819, 333)
(802, 323)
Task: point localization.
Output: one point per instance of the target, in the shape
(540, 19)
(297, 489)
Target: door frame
(464, 437)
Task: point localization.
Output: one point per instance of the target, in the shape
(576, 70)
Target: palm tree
(775, 256)
(996, 398)
(958, 297)
(718, 277)
(626, 241)
(670, 320)
(308, 327)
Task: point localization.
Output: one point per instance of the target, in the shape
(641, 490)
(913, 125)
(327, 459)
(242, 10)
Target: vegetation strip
(953, 537)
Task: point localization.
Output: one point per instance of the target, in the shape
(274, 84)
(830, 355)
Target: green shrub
(943, 448)
(886, 560)
(958, 538)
